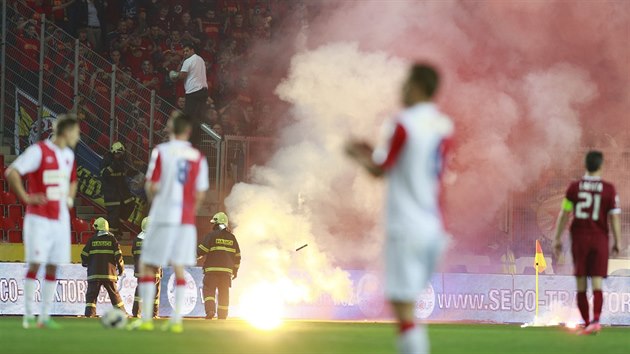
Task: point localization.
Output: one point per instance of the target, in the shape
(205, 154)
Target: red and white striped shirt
(49, 170)
(413, 160)
(180, 171)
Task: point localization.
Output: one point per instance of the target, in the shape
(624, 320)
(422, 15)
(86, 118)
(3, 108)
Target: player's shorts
(590, 255)
(46, 241)
(167, 244)
(410, 259)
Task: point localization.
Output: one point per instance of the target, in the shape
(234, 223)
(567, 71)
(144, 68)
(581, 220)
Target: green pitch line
(232, 336)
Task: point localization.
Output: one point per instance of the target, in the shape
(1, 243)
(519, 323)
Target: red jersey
(592, 200)
(49, 170)
(181, 171)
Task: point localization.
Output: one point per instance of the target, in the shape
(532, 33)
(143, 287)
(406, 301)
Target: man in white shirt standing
(193, 71)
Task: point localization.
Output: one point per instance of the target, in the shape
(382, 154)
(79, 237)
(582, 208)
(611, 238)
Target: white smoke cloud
(309, 193)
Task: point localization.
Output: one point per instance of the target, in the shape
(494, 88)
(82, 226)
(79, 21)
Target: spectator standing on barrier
(223, 259)
(193, 71)
(118, 198)
(136, 251)
(103, 259)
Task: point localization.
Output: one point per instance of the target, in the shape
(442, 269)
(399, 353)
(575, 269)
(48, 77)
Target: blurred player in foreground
(177, 180)
(104, 262)
(50, 170)
(413, 162)
(594, 203)
(136, 251)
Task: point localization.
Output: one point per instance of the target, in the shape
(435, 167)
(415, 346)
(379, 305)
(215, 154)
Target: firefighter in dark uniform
(118, 198)
(223, 258)
(136, 250)
(103, 259)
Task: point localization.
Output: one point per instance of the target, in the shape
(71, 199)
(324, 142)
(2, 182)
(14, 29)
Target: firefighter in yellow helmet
(136, 250)
(223, 259)
(103, 259)
(118, 198)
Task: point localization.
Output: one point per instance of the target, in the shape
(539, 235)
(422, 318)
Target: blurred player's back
(175, 165)
(414, 181)
(177, 180)
(594, 200)
(412, 160)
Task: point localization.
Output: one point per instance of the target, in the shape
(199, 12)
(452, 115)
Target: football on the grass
(114, 318)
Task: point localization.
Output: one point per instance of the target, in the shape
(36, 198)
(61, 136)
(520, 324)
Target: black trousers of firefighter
(94, 287)
(137, 300)
(118, 210)
(216, 290)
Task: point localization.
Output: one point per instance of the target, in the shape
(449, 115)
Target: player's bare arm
(199, 201)
(361, 152)
(151, 190)
(615, 221)
(15, 182)
(72, 194)
(561, 224)
(178, 75)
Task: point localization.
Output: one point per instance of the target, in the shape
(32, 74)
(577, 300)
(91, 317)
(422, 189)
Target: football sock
(405, 326)
(412, 339)
(582, 303)
(48, 295)
(180, 285)
(598, 302)
(147, 293)
(30, 284)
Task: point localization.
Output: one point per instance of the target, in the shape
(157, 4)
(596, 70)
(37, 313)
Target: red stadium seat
(8, 224)
(73, 213)
(84, 237)
(15, 211)
(2, 168)
(15, 236)
(8, 198)
(85, 128)
(103, 140)
(80, 225)
(82, 229)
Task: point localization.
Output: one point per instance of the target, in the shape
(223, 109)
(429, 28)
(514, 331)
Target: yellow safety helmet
(145, 224)
(220, 219)
(101, 224)
(118, 147)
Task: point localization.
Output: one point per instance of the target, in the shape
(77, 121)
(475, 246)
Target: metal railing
(68, 76)
(54, 73)
(239, 155)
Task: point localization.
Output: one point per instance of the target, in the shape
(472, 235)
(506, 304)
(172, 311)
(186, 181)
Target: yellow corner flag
(539, 259)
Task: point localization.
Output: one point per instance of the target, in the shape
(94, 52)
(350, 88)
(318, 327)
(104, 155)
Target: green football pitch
(233, 336)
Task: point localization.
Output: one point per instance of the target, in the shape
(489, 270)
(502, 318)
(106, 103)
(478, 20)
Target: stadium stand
(116, 103)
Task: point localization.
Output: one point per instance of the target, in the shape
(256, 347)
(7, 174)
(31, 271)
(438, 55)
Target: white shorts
(167, 244)
(46, 241)
(410, 259)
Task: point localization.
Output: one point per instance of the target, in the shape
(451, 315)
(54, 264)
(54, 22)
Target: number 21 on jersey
(585, 201)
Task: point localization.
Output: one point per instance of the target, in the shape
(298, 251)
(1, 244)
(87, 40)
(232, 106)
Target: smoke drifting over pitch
(527, 82)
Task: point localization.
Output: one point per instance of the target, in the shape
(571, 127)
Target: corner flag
(539, 259)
